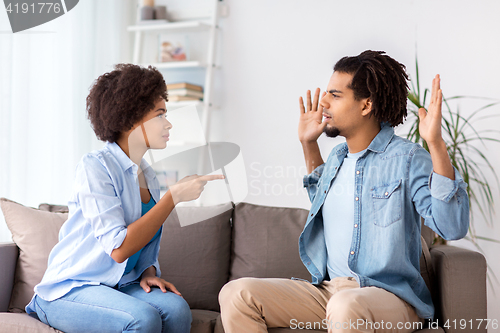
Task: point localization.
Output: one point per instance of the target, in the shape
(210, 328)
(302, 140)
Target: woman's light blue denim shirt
(394, 186)
(105, 200)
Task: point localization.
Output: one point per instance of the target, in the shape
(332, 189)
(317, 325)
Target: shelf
(176, 64)
(171, 26)
(181, 104)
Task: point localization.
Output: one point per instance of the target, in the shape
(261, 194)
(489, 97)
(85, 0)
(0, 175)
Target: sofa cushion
(35, 232)
(9, 252)
(220, 329)
(291, 330)
(22, 323)
(195, 258)
(203, 321)
(265, 242)
(53, 208)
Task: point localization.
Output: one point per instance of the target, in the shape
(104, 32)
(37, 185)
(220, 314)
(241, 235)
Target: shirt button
(312, 214)
(308, 263)
(352, 252)
(386, 193)
(355, 225)
(357, 172)
(357, 198)
(325, 191)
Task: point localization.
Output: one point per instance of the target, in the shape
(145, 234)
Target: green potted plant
(460, 136)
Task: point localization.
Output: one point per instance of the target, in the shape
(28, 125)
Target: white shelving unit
(177, 64)
(181, 104)
(171, 26)
(209, 25)
(206, 25)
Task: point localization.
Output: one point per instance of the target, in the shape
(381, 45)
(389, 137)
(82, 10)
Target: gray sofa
(242, 240)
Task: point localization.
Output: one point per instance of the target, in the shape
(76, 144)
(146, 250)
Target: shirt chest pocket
(386, 201)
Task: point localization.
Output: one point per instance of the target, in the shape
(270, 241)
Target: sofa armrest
(8, 260)
(460, 288)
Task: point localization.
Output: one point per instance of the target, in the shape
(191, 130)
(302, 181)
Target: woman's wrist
(168, 198)
(149, 272)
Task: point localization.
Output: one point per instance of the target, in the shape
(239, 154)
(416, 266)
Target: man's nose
(323, 103)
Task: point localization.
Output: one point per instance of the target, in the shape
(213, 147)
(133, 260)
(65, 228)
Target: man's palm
(430, 121)
(310, 121)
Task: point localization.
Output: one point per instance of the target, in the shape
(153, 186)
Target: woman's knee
(144, 318)
(178, 312)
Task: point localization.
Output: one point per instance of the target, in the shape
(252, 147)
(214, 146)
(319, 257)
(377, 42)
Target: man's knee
(345, 305)
(238, 291)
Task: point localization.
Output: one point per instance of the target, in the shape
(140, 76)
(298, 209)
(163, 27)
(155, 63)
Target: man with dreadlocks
(361, 242)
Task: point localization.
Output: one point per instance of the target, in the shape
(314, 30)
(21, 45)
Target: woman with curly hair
(103, 275)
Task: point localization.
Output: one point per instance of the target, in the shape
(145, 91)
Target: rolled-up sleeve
(310, 181)
(441, 201)
(100, 203)
(443, 188)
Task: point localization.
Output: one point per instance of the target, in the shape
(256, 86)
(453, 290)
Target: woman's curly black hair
(383, 79)
(121, 98)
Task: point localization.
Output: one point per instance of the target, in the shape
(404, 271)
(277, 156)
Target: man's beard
(331, 132)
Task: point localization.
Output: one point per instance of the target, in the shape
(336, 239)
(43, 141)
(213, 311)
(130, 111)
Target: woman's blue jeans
(104, 309)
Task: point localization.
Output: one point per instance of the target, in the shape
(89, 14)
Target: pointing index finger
(211, 177)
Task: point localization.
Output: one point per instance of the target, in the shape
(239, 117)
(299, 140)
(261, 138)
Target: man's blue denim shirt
(394, 186)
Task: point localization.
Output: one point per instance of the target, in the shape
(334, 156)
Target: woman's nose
(169, 125)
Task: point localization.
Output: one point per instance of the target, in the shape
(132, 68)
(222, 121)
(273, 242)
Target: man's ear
(367, 107)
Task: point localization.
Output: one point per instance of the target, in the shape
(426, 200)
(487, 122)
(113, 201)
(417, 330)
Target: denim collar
(378, 144)
(381, 141)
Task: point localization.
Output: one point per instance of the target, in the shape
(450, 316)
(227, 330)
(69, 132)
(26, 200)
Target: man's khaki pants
(340, 305)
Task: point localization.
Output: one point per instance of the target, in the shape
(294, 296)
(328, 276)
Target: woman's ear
(367, 107)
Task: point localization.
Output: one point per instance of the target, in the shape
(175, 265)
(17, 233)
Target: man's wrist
(441, 160)
(308, 142)
(436, 145)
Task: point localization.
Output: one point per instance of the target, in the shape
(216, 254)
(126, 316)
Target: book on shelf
(176, 98)
(185, 92)
(184, 85)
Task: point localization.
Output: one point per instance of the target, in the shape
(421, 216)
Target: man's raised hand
(310, 122)
(430, 120)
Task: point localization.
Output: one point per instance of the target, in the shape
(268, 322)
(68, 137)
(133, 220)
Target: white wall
(273, 51)
(45, 74)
